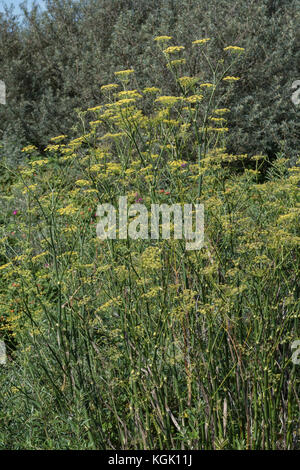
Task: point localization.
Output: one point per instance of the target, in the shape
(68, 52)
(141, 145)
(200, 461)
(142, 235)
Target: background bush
(56, 61)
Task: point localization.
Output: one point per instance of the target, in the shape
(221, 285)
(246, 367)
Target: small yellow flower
(234, 48)
(129, 94)
(217, 129)
(110, 303)
(200, 41)
(149, 178)
(113, 168)
(217, 119)
(31, 187)
(187, 81)
(52, 148)
(124, 102)
(124, 73)
(95, 123)
(175, 164)
(129, 171)
(4, 266)
(168, 100)
(29, 148)
(90, 191)
(151, 90)
(150, 258)
(113, 136)
(231, 79)
(68, 157)
(162, 38)
(96, 168)
(45, 253)
(194, 99)
(221, 111)
(173, 49)
(176, 62)
(289, 217)
(154, 292)
(109, 87)
(96, 108)
(39, 162)
(58, 138)
(70, 229)
(68, 210)
(83, 183)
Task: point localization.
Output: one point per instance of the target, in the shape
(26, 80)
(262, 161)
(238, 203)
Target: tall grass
(140, 344)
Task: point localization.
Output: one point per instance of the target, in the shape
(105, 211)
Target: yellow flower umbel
(124, 73)
(150, 259)
(234, 49)
(120, 103)
(217, 129)
(129, 94)
(175, 164)
(176, 62)
(110, 135)
(168, 100)
(187, 82)
(231, 79)
(40, 255)
(38, 162)
(221, 111)
(206, 85)
(83, 183)
(194, 99)
(152, 89)
(29, 148)
(162, 38)
(68, 210)
(4, 266)
(58, 138)
(200, 41)
(52, 148)
(173, 49)
(109, 87)
(95, 108)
